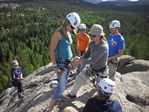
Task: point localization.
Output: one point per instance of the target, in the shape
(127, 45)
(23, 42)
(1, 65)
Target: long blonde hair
(63, 27)
(64, 24)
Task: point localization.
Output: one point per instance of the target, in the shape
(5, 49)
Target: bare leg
(52, 104)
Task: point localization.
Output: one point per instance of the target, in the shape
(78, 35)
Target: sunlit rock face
(132, 89)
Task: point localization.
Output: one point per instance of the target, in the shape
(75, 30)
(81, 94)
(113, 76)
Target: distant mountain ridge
(95, 2)
(120, 5)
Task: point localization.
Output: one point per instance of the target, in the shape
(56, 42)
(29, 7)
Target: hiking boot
(71, 96)
(20, 95)
(46, 110)
(64, 98)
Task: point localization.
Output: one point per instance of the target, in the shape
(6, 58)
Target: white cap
(15, 62)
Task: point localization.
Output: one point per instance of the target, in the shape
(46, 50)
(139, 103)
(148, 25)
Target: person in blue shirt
(116, 44)
(61, 54)
(17, 77)
(102, 102)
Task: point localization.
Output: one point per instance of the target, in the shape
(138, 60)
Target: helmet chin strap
(103, 97)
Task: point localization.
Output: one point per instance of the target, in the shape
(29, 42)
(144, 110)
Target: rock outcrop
(129, 64)
(132, 90)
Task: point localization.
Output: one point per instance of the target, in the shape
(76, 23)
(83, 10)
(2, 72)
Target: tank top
(63, 49)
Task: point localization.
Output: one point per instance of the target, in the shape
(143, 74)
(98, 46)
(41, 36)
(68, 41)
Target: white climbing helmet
(82, 26)
(107, 85)
(114, 24)
(74, 19)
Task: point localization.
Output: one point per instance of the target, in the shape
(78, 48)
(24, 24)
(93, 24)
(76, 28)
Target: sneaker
(20, 95)
(46, 110)
(71, 96)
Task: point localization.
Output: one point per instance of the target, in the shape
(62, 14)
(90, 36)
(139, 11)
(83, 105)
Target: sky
(115, 0)
(98, 1)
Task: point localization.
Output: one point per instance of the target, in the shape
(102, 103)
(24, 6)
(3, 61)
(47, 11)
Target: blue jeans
(62, 81)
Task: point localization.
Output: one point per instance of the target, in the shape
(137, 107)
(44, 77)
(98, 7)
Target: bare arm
(21, 76)
(80, 61)
(120, 53)
(88, 41)
(77, 42)
(76, 60)
(14, 76)
(54, 41)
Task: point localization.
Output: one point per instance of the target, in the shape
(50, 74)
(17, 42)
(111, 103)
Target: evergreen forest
(26, 29)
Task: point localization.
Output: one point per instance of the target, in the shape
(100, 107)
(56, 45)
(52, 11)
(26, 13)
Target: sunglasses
(92, 35)
(82, 29)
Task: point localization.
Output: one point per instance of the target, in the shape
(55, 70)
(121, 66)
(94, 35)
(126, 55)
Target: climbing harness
(96, 75)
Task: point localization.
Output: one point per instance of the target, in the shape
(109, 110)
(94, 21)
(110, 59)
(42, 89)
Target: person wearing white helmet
(61, 54)
(116, 44)
(96, 56)
(83, 40)
(101, 102)
(114, 24)
(17, 77)
(74, 19)
(82, 26)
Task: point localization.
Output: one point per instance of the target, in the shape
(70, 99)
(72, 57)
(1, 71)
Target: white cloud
(99, 1)
(133, 0)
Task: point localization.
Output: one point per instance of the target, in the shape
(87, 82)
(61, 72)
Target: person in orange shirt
(83, 40)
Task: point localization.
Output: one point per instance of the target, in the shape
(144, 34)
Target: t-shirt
(116, 43)
(82, 41)
(63, 49)
(97, 54)
(95, 105)
(15, 73)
